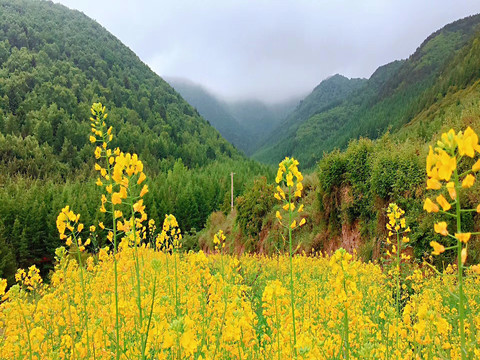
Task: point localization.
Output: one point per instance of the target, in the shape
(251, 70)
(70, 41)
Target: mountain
(54, 62)
(244, 123)
(261, 118)
(389, 99)
(328, 94)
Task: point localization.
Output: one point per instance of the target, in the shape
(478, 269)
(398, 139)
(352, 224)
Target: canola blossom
(447, 173)
(254, 290)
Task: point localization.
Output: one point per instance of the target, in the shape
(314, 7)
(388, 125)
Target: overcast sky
(271, 49)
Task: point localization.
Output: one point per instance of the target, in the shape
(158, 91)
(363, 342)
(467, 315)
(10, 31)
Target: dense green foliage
(283, 140)
(392, 97)
(28, 208)
(253, 206)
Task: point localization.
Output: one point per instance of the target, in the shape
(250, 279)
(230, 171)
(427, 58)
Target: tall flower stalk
(121, 176)
(397, 228)
(68, 220)
(101, 137)
(443, 165)
(289, 177)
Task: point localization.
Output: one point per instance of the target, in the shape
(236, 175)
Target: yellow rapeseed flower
(441, 228)
(430, 206)
(437, 248)
(463, 237)
(468, 181)
(443, 203)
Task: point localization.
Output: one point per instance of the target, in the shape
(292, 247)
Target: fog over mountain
(267, 49)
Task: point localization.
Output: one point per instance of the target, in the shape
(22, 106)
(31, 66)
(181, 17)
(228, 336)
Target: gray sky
(271, 49)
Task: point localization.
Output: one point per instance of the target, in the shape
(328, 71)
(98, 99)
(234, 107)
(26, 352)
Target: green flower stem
(115, 250)
(292, 289)
(461, 309)
(84, 296)
(137, 271)
(397, 300)
(447, 213)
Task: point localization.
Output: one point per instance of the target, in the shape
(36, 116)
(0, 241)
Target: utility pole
(231, 176)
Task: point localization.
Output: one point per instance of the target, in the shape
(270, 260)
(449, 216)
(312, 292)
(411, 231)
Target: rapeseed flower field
(143, 297)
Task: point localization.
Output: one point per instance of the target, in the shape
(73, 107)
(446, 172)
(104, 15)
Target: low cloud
(269, 49)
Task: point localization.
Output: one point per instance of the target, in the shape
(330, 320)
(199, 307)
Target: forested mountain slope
(54, 62)
(329, 93)
(392, 96)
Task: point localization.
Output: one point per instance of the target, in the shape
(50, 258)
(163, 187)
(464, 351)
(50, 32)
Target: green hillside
(393, 95)
(328, 94)
(356, 185)
(347, 196)
(54, 63)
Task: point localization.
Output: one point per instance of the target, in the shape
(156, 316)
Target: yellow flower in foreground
(451, 190)
(144, 190)
(468, 181)
(443, 203)
(464, 255)
(116, 198)
(430, 206)
(441, 228)
(467, 142)
(476, 269)
(476, 166)
(463, 237)
(433, 184)
(437, 248)
(3, 286)
(446, 165)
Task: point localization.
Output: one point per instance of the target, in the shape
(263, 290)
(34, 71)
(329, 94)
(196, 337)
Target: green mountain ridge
(328, 94)
(392, 96)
